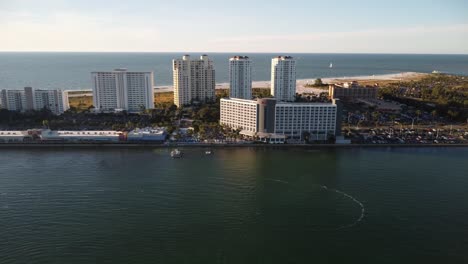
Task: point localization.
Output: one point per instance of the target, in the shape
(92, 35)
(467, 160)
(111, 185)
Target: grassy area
(81, 103)
(164, 99)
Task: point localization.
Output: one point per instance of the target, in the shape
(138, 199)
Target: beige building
(123, 90)
(352, 91)
(283, 78)
(194, 80)
(240, 77)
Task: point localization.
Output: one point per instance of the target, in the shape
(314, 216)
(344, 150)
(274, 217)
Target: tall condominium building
(194, 80)
(123, 90)
(240, 77)
(262, 116)
(29, 99)
(54, 100)
(283, 78)
(14, 100)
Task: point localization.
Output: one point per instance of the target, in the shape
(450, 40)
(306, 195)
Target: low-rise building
(147, 134)
(352, 91)
(74, 136)
(12, 136)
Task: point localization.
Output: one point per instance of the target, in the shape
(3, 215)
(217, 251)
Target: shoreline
(217, 146)
(300, 83)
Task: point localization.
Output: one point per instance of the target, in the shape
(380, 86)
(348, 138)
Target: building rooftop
(12, 133)
(103, 133)
(239, 58)
(284, 57)
(122, 70)
(147, 131)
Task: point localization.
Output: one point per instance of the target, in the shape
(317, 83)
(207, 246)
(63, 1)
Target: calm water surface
(68, 70)
(240, 205)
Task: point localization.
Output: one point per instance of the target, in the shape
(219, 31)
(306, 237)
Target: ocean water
(72, 70)
(241, 205)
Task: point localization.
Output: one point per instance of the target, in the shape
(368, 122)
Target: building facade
(283, 78)
(194, 80)
(240, 114)
(123, 90)
(31, 99)
(54, 100)
(293, 120)
(240, 77)
(317, 119)
(352, 91)
(14, 100)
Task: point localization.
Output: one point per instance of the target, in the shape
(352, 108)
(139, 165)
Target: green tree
(318, 82)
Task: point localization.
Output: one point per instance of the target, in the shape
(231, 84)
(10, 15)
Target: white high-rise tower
(121, 89)
(283, 78)
(240, 77)
(194, 80)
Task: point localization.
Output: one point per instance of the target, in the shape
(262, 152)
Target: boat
(176, 153)
(331, 65)
(209, 152)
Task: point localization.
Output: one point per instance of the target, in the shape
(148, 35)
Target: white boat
(176, 154)
(331, 65)
(209, 152)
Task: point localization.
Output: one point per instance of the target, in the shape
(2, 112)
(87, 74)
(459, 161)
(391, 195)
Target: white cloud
(69, 31)
(72, 32)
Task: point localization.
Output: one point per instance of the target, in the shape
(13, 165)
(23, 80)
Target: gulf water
(62, 70)
(240, 205)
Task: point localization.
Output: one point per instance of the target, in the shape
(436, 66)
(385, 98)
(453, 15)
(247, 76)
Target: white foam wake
(356, 201)
(363, 209)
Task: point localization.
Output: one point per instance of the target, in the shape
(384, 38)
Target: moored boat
(176, 153)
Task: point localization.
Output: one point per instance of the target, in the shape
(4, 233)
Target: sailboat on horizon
(331, 65)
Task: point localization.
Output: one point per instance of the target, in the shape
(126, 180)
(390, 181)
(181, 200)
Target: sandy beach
(301, 83)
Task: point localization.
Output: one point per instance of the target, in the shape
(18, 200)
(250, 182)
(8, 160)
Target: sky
(293, 26)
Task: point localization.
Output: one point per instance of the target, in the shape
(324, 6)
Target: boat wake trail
(356, 201)
(325, 188)
(275, 180)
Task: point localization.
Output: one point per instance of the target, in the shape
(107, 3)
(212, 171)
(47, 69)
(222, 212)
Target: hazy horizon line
(232, 52)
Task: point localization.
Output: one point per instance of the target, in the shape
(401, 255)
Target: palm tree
(434, 115)
(45, 123)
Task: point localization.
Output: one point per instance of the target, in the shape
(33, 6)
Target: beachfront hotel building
(123, 90)
(240, 77)
(240, 114)
(283, 78)
(194, 80)
(352, 91)
(30, 99)
(270, 118)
